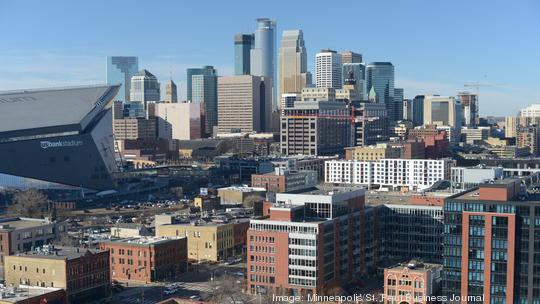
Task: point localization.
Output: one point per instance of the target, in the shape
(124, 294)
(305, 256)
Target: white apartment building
(395, 173)
(530, 111)
(329, 73)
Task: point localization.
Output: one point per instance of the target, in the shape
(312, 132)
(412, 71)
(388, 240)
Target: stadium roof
(46, 108)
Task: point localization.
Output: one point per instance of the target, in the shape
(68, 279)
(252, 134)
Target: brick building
(312, 242)
(412, 282)
(283, 180)
(491, 243)
(146, 259)
(82, 273)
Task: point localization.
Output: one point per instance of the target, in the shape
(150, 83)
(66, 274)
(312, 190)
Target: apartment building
(394, 173)
(372, 153)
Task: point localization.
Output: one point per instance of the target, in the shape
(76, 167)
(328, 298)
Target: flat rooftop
(22, 293)
(415, 266)
(15, 223)
(58, 253)
(141, 241)
(324, 189)
(243, 188)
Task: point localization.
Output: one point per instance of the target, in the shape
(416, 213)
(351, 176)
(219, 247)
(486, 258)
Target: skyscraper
(120, 69)
(329, 73)
(244, 104)
(293, 75)
(469, 103)
(170, 92)
(398, 103)
(380, 77)
(359, 73)
(243, 43)
(444, 111)
(202, 88)
(350, 57)
(145, 87)
(263, 55)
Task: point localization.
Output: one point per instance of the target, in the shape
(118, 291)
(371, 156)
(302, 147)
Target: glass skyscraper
(359, 73)
(263, 55)
(202, 88)
(243, 43)
(145, 87)
(120, 69)
(380, 77)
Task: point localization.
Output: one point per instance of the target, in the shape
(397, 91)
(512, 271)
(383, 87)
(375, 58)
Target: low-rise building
(464, 178)
(207, 202)
(20, 234)
(240, 195)
(208, 241)
(475, 135)
(284, 180)
(129, 230)
(82, 273)
(372, 153)
(25, 294)
(412, 282)
(146, 259)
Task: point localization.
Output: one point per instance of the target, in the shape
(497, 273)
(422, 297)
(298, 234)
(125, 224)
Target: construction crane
(477, 86)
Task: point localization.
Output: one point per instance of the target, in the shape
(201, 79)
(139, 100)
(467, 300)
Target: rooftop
(58, 253)
(22, 293)
(416, 266)
(15, 223)
(243, 188)
(39, 108)
(141, 241)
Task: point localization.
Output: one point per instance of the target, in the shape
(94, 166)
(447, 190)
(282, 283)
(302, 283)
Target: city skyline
(436, 59)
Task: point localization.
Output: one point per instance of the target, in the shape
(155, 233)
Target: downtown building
(380, 84)
(329, 70)
(202, 89)
(120, 69)
(244, 104)
(293, 74)
(58, 138)
(413, 174)
(491, 239)
(316, 128)
(311, 242)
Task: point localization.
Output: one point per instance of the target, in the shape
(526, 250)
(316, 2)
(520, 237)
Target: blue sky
(436, 46)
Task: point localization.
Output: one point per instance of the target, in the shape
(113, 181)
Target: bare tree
(29, 203)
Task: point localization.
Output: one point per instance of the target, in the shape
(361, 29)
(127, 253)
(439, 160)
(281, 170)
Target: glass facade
(202, 88)
(120, 69)
(243, 43)
(145, 87)
(380, 77)
(359, 73)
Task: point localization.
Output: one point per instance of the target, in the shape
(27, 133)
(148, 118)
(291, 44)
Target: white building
(178, 120)
(530, 111)
(469, 177)
(329, 73)
(475, 134)
(395, 173)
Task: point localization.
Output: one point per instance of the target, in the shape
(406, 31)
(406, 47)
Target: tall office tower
(202, 88)
(120, 69)
(380, 78)
(118, 109)
(263, 54)
(469, 104)
(145, 88)
(407, 109)
(293, 74)
(170, 92)
(244, 104)
(243, 43)
(491, 244)
(316, 128)
(398, 103)
(418, 110)
(351, 57)
(444, 111)
(329, 73)
(359, 73)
